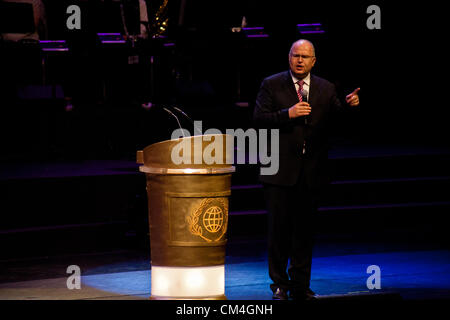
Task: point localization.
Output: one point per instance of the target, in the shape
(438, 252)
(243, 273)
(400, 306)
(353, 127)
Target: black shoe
(307, 295)
(279, 294)
(311, 295)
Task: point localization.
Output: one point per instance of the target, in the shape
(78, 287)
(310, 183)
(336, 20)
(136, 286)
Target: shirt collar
(306, 80)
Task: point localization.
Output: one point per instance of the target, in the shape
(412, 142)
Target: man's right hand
(299, 109)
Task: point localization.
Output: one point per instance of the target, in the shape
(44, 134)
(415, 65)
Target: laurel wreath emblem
(193, 219)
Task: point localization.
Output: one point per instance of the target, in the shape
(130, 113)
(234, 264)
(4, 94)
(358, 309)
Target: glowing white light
(162, 285)
(188, 282)
(194, 279)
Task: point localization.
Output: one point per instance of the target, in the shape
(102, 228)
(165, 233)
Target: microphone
(183, 113)
(304, 94)
(176, 118)
(189, 118)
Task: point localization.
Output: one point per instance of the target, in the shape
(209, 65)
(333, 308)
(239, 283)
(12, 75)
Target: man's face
(301, 59)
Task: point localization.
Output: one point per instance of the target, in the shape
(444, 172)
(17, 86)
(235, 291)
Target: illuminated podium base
(188, 283)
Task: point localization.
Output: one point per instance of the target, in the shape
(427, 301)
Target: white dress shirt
(306, 83)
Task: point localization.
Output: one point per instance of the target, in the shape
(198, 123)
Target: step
(109, 207)
(92, 199)
(70, 200)
(420, 222)
(59, 201)
(368, 167)
(357, 192)
(426, 220)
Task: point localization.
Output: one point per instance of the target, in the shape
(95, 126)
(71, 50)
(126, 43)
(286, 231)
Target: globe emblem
(213, 219)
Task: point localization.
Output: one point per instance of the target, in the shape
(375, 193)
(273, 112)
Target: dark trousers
(291, 215)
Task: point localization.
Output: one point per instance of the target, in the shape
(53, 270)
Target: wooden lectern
(188, 215)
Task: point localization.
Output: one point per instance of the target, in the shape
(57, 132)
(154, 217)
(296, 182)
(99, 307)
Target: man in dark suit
(300, 105)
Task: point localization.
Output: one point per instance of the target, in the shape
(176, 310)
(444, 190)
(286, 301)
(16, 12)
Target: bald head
(303, 43)
(302, 58)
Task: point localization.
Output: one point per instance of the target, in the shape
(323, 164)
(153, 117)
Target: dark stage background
(204, 68)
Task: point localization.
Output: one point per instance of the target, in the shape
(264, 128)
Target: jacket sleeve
(335, 102)
(266, 112)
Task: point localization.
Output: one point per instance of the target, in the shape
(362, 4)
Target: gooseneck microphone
(176, 118)
(189, 118)
(183, 113)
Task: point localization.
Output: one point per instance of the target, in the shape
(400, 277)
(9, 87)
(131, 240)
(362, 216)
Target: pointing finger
(355, 91)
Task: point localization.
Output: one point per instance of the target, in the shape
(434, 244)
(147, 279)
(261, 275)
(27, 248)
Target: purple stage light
(317, 31)
(309, 25)
(111, 38)
(52, 41)
(55, 49)
(113, 41)
(255, 32)
(108, 34)
(253, 28)
(257, 36)
(308, 28)
(53, 45)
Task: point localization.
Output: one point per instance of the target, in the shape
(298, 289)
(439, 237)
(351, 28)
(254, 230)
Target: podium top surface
(201, 154)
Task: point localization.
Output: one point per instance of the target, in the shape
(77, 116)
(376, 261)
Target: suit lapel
(314, 94)
(313, 90)
(289, 86)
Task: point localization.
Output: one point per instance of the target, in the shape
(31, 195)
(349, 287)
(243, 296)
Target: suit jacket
(276, 95)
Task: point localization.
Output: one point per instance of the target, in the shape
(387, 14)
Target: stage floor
(339, 270)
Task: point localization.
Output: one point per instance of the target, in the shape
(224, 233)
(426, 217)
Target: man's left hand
(353, 99)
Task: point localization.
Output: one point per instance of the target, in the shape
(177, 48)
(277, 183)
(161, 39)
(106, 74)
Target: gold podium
(188, 215)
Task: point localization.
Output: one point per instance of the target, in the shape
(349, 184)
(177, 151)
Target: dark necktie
(300, 98)
(300, 90)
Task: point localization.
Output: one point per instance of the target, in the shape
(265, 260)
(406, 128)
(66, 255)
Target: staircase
(399, 196)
